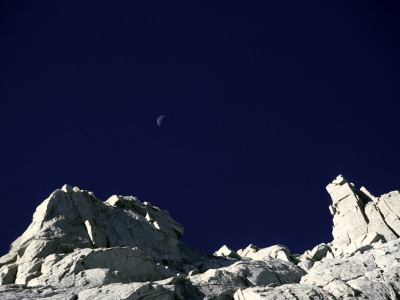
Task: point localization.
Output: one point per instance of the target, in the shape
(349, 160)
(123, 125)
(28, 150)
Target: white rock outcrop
(79, 247)
(360, 219)
(71, 221)
(372, 274)
(273, 252)
(225, 251)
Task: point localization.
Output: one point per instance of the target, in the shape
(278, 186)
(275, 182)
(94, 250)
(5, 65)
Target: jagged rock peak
(79, 247)
(359, 218)
(71, 219)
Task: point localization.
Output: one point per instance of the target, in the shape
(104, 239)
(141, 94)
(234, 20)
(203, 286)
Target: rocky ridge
(79, 247)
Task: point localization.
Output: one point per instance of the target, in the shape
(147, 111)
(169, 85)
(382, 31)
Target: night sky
(266, 102)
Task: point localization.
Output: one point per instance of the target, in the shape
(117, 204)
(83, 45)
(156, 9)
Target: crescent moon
(159, 120)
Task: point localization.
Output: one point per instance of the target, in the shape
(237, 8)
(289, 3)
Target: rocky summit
(79, 247)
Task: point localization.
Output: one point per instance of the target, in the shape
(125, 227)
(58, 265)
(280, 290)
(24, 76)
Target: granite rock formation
(79, 247)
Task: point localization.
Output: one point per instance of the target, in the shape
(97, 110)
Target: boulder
(8, 273)
(305, 263)
(249, 250)
(274, 252)
(319, 252)
(225, 251)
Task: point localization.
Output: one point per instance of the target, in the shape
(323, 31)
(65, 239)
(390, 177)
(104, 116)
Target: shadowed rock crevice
(384, 221)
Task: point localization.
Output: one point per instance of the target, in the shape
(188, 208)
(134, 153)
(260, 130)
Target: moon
(159, 120)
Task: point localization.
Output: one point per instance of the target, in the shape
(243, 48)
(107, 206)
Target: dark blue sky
(266, 102)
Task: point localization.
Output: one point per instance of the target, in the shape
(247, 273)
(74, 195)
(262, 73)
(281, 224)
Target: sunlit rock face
(359, 218)
(79, 247)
